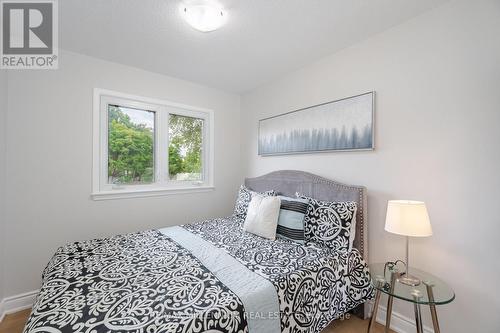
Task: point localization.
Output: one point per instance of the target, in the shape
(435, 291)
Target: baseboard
(17, 303)
(2, 314)
(399, 322)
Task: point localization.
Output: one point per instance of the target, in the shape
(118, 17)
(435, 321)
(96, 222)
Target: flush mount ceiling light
(204, 17)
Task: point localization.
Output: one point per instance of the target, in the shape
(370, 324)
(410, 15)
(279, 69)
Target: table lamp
(410, 219)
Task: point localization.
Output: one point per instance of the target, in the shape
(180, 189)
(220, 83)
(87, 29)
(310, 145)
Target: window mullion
(205, 149)
(104, 146)
(162, 150)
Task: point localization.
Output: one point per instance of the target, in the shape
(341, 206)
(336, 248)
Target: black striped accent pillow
(291, 219)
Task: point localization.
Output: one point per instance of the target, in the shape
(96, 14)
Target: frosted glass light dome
(204, 17)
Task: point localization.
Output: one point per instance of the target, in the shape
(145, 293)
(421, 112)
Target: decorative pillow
(243, 199)
(331, 224)
(291, 219)
(262, 216)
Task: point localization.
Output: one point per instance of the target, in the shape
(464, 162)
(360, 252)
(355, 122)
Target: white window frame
(162, 185)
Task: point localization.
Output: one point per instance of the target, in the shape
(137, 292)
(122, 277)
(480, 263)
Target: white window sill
(150, 192)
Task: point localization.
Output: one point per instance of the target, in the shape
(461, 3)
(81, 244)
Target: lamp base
(409, 280)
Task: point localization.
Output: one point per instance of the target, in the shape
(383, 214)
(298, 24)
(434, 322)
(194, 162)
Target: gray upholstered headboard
(287, 182)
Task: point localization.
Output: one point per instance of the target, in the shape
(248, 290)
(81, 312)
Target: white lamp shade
(408, 218)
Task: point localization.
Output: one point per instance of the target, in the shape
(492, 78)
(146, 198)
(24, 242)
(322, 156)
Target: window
(145, 147)
(185, 147)
(131, 142)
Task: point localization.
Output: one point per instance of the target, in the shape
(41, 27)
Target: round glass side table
(431, 291)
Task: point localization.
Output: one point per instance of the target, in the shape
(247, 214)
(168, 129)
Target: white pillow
(262, 216)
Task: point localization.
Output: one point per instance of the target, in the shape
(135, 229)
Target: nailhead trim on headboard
(285, 177)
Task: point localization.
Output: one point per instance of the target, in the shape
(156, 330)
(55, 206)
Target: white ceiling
(262, 40)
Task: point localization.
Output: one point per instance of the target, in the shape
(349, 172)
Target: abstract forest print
(346, 124)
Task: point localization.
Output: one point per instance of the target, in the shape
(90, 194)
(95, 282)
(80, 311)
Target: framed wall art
(342, 125)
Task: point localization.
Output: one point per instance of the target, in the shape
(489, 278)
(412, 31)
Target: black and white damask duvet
(147, 282)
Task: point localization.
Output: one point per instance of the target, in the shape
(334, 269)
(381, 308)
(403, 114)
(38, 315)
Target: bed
(209, 276)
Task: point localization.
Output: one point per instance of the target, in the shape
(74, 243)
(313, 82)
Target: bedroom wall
(50, 162)
(437, 133)
(3, 128)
